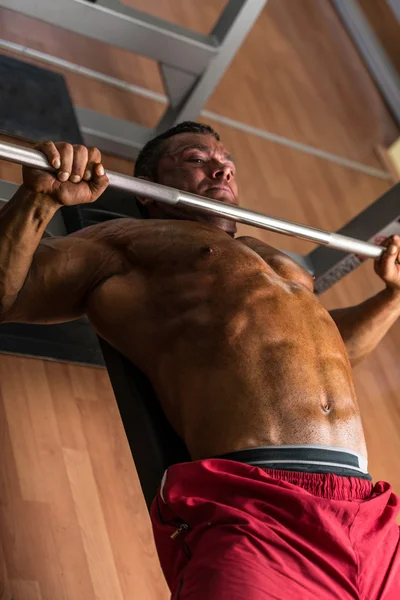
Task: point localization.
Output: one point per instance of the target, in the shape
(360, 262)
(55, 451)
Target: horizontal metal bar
(126, 139)
(128, 146)
(155, 191)
(119, 25)
(84, 71)
(300, 146)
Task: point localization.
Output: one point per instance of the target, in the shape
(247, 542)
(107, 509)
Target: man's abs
(239, 353)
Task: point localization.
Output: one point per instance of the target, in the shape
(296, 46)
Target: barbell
(168, 195)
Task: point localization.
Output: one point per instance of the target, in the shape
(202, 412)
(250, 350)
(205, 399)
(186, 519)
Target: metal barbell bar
(162, 193)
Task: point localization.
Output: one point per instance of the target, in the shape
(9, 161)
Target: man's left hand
(388, 265)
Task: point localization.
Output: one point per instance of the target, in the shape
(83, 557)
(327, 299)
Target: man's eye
(197, 160)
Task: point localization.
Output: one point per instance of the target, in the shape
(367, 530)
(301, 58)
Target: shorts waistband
(310, 458)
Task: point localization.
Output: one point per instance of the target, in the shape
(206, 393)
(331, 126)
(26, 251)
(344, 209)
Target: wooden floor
(72, 518)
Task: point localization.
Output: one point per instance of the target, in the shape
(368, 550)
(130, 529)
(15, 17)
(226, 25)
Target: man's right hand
(79, 177)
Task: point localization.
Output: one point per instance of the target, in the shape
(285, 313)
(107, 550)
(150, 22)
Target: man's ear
(144, 201)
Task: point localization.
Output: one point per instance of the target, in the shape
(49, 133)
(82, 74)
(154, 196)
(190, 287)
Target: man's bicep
(62, 273)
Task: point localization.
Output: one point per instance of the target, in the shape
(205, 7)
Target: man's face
(198, 164)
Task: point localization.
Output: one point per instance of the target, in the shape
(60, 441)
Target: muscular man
(250, 369)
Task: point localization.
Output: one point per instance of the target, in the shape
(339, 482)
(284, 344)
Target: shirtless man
(251, 371)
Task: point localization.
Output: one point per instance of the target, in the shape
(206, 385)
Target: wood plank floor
(72, 517)
(73, 523)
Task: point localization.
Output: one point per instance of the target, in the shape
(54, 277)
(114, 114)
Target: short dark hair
(146, 162)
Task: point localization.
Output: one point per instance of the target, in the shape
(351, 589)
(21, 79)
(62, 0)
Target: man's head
(189, 157)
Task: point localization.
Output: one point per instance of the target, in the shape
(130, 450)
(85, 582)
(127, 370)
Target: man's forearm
(22, 223)
(363, 326)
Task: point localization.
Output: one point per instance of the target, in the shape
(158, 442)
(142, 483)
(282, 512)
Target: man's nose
(221, 171)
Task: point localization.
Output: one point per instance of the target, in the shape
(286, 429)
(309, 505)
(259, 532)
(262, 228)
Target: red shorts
(225, 530)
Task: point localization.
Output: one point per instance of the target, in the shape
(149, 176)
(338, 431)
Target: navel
(326, 407)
